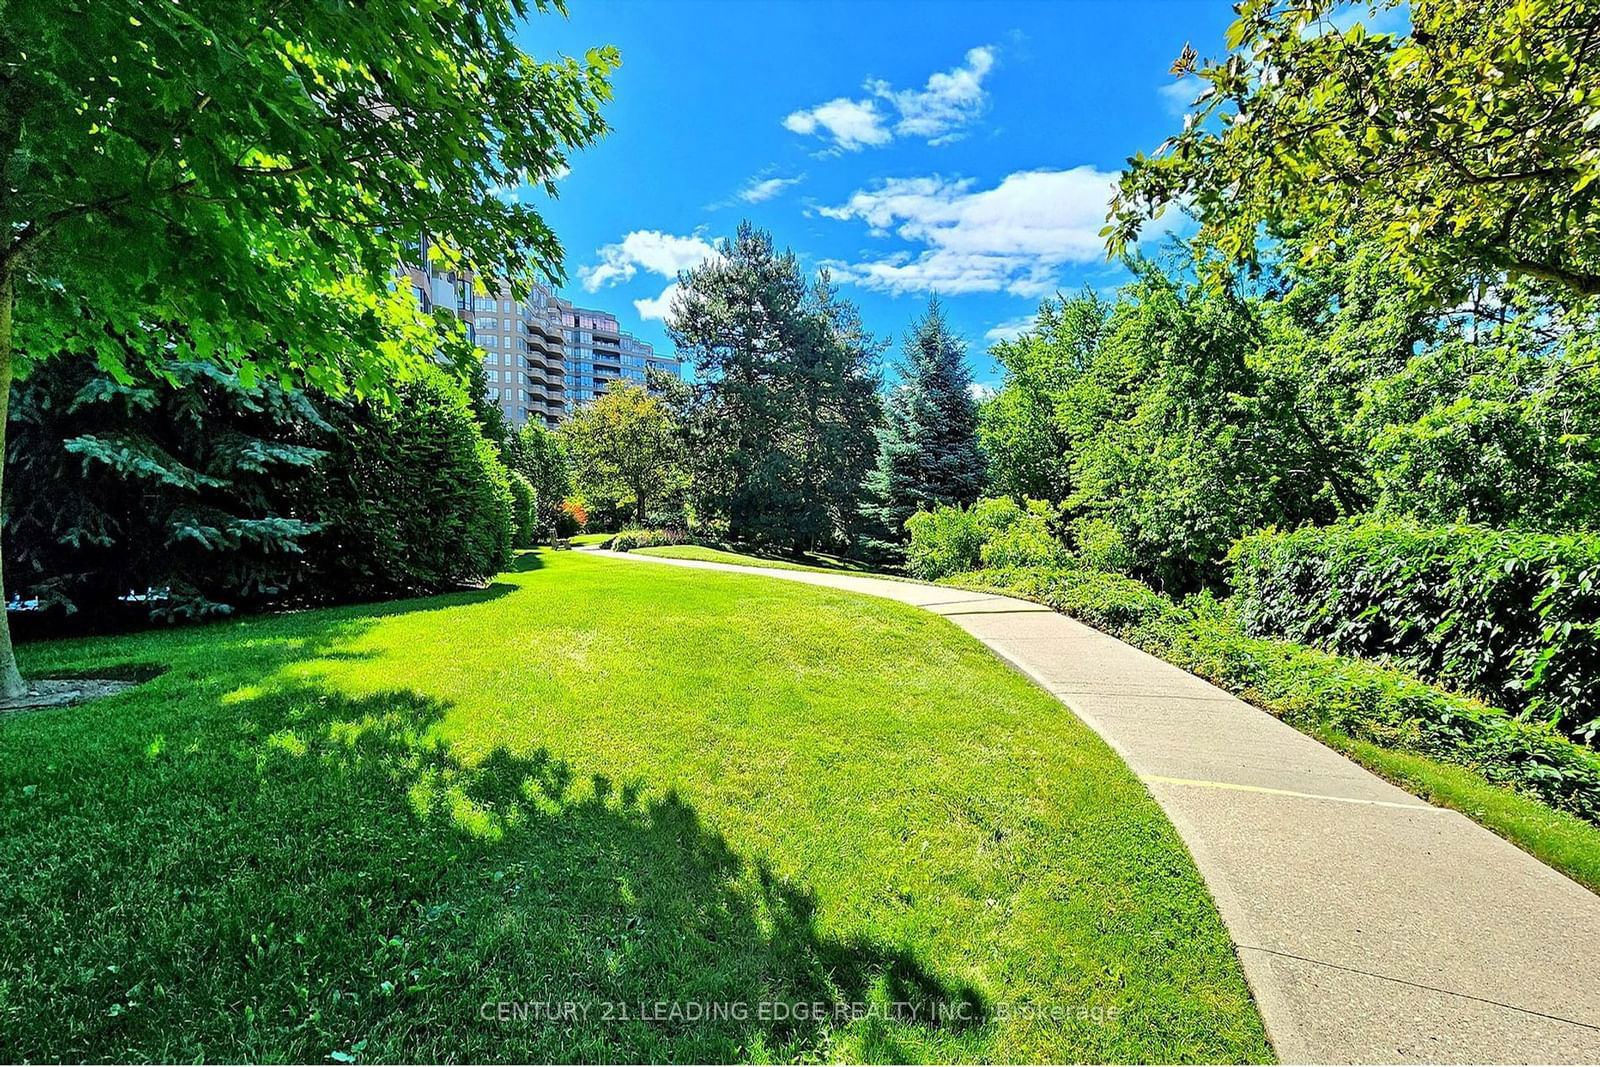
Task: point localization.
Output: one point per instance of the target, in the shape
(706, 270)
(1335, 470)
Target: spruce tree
(928, 453)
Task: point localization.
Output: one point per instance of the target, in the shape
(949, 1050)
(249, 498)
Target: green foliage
(1101, 547)
(1165, 422)
(641, 537)
(1512, 617)
(524, 523)
(1467, 147)
(242, 188)
(539, 455)
(928, 454)
(1184, 416)
(1021, 428)
(411, 496)
(233, 182)
(1496, 431)
(217, 497)
(185, 491)
(780, 424)
(995, 532)
(1316, 690)
(624, 447)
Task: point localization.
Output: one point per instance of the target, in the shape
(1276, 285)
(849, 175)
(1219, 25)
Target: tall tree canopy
(1467, 147)
(789, 394)
(624, 446)
(928, 452)
(234, 181)
(539, 455)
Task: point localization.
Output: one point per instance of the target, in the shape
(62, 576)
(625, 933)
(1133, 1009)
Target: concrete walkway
(1372, 927)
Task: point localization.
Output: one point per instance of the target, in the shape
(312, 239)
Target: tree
(1018, 428)
(234, 182)
(541, 456)
(928, 453)
(624, 444)
(193, 486)
(1467, 148)
(788, 394)
(214, 497)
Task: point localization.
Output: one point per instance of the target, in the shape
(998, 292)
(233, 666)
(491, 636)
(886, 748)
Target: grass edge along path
(825, 565)
(1560, 839)
(340, 833)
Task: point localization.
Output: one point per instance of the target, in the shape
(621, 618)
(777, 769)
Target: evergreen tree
(788, 395)
(928, 452)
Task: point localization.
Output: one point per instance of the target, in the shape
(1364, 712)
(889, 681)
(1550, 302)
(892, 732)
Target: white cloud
(766, 188)
(980, 391)
(651, 250)
(936, 113)
(1011, 329)
(951, 99)
(852, 124)
(1010, 238)
(657, 307)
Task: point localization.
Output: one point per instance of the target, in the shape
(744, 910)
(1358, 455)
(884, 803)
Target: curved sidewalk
(1372, 927)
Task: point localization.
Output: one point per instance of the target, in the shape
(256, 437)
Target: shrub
(1026, 541)
(524, 521)
(213, 496)
(573, 518)
(1511, 617)
(1317, 690)
(638, 537)
(994, 532)
(1101, 546)
(412, 496)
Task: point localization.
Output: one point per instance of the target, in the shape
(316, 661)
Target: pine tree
(928, 453)
(787, 395)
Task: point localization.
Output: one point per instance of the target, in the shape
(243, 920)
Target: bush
(413, 498)
(1316, 690)
(1513, 618)
(1101, 547)
(637, 537)
(573, 518)
(995, 532)
(214, 497)
(524, 521)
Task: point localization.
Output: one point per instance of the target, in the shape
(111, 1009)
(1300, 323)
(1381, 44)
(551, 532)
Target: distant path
(1373, 927)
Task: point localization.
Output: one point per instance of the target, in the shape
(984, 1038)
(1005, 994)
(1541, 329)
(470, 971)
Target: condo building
(544, 356)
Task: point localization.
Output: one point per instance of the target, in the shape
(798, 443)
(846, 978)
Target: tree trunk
(11, 685)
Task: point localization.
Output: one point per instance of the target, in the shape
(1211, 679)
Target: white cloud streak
(767, 188)
(1011, 329)
(657, 308)
(936, 113)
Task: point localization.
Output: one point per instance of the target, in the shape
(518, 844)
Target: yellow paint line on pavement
(1239, 787)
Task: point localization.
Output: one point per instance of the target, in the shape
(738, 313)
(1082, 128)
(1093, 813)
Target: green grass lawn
(812, 561)
(342, 833)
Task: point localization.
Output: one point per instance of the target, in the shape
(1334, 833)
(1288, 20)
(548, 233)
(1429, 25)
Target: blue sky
(963, 148)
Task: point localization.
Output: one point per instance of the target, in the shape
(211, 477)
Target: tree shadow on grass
(335, 881)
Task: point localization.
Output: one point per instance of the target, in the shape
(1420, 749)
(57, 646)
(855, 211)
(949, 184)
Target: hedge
(1312, 689)
(636, 537)
(524, 518)
(1510, 617)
